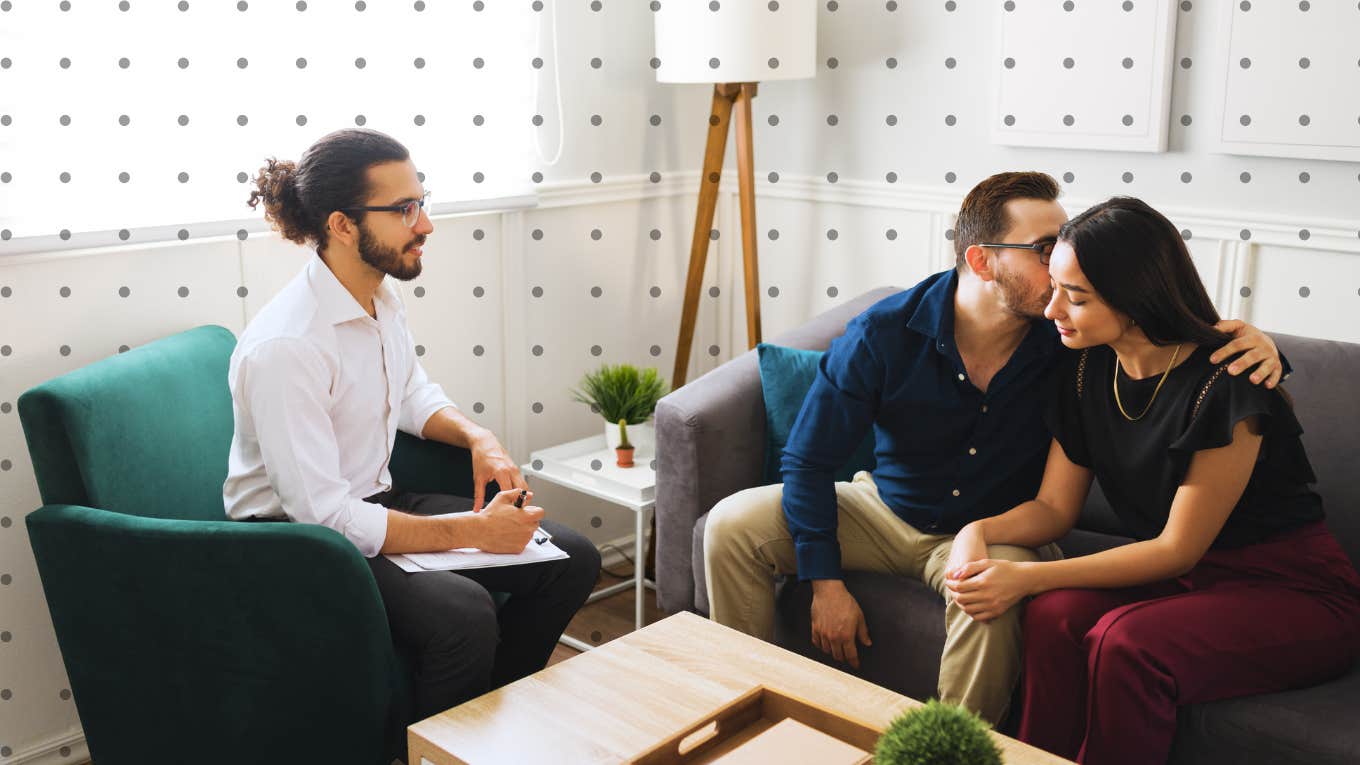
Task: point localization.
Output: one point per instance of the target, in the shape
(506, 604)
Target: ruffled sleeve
(1223, 401)
(1063, 415)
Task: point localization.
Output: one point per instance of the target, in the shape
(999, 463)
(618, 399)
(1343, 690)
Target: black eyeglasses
(410, 212)
(1044, 247)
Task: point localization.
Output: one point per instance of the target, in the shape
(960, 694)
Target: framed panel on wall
(1084, 74)
(1290, 79)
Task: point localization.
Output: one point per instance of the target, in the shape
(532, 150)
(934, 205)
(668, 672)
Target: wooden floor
(607, 618)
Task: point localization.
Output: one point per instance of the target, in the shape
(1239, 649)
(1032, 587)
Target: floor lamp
(733, 44)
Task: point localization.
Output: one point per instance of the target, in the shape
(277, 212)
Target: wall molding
(49, 752)
(1324, 234)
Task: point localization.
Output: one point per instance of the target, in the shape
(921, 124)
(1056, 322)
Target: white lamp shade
(740, 41)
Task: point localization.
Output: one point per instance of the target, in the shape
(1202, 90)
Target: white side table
(588, 466)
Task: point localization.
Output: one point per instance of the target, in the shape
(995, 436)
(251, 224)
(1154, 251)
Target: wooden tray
(767, 726)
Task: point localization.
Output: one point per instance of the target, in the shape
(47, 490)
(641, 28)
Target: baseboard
(66, 749)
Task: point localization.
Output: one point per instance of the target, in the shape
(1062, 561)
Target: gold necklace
(1155, 391)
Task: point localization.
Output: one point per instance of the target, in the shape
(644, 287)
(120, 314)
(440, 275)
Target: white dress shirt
(319, 389)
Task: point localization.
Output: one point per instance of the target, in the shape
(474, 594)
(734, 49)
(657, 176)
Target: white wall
(934, 165)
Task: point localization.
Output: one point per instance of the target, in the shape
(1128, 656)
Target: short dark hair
(332, 175)
(982, 218)
(1138, 262)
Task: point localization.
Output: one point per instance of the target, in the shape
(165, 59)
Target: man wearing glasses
(321, 380)
(950, 376)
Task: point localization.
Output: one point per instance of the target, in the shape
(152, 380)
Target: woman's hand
(969, 545)
(986, 589)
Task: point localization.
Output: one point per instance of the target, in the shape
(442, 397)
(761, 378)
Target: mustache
(417, 242)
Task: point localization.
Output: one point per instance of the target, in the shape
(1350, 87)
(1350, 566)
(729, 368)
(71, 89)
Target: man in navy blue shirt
(951, 376)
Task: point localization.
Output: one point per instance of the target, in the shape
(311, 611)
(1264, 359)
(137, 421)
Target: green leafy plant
(622, 392)
(940, 734)
(623, 434)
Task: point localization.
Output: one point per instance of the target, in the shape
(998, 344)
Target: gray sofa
(710, 442)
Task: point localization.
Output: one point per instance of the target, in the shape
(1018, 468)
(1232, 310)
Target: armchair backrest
(144, 433)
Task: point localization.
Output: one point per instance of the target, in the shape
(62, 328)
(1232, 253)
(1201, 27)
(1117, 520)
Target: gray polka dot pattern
(787, 155)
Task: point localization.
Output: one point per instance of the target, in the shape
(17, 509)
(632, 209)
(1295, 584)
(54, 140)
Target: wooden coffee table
(616, 701)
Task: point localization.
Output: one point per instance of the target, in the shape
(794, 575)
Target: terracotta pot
(625, 457)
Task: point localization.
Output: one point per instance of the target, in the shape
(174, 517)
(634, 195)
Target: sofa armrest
(423, 466)
(710, 443)
(229, 640)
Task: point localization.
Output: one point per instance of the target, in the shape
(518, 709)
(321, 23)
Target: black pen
(519, 502)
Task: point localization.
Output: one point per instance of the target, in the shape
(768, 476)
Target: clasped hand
(987, 588)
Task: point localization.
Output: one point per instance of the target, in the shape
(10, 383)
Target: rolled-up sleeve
(420, 400)
(286, 384)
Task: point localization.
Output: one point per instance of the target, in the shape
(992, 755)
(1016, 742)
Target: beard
(1021, 298)
(386, 259)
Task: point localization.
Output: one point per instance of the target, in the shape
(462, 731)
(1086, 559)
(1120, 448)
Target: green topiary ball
(937, 734)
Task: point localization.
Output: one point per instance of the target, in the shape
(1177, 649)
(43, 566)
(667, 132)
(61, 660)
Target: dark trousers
(447, 625)
(1104, 670)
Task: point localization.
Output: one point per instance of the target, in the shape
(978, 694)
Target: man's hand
(968, 546)
(1258, 351)
(837, 621)
(504, 528)
(491, 463)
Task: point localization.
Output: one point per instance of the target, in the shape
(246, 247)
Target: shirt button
(961, 377)
(956, 492)
(972, 450)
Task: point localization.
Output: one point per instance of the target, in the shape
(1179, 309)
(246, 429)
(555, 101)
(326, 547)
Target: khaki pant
(747, 543)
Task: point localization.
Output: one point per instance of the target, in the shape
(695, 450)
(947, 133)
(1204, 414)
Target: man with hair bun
(322, 379)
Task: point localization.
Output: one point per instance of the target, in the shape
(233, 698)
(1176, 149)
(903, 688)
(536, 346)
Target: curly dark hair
(332, 175)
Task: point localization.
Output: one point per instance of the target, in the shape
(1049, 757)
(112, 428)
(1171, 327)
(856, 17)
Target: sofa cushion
(1308, 726)
(786, 376)
(906, 624)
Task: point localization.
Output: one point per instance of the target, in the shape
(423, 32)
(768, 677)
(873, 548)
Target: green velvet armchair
(188, 637)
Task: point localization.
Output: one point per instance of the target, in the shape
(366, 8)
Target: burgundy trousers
(1105, 670)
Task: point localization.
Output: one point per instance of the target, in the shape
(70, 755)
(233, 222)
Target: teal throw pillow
(786, 376)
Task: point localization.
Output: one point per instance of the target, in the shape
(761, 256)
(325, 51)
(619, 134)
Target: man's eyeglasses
(1044, 247)
(410, 212)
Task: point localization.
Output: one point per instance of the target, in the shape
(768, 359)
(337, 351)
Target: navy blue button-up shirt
(947, 454)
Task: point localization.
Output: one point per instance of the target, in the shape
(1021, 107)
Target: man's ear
(342, 228)
(979, 261)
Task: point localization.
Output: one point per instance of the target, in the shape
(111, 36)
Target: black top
(1141, 464)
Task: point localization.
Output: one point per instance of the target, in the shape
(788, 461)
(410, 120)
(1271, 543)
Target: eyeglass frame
(419, 203)
(1038, 247)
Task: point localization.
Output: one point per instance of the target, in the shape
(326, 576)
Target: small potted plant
(624, 451)
(623, 392)
(938, 733)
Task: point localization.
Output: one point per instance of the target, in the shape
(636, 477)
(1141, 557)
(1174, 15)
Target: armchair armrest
(268, 641)
(424, 466)
(710, 441)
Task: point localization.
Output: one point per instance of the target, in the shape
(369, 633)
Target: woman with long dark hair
(1234, 586)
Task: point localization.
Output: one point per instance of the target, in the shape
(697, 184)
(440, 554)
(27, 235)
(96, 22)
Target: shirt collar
(934, 315)
(336, 302)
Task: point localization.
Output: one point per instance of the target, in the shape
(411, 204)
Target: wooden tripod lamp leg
(746, 182)
(718, 121)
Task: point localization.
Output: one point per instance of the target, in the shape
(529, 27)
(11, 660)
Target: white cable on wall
(557, 86)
